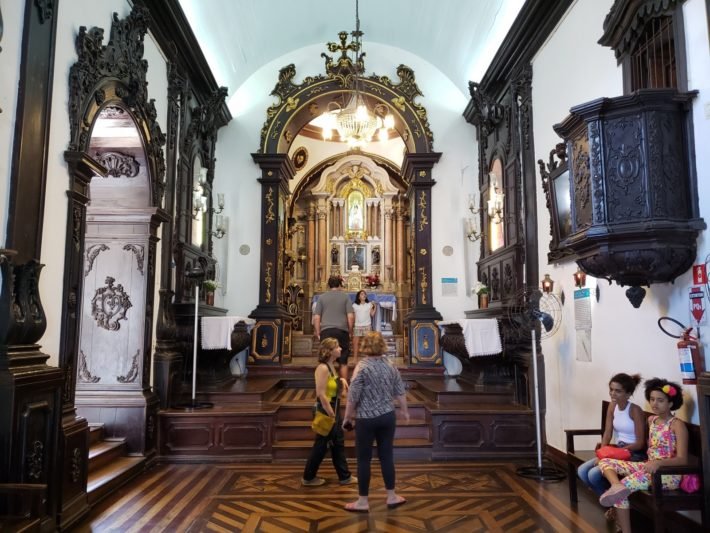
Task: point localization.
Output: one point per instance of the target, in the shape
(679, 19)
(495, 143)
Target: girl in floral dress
(667, 446)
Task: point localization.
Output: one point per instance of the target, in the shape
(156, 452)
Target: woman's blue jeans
(591, 475)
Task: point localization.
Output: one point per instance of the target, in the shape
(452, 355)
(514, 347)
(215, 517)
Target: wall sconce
(199, 202)
(580, 278)
(472, 233)
(495, 200)
(547, 284)
(220, 204)
(474, 206)
(220, 226)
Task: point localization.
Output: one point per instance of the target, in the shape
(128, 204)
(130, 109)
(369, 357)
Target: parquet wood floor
(452, 497)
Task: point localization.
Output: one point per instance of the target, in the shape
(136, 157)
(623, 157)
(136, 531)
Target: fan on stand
(543, 311)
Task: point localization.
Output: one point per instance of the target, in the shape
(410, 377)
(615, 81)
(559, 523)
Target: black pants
(368, 430)
(335, 440)
(343, 338)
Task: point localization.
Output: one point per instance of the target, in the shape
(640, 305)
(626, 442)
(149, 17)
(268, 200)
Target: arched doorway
(298, 106)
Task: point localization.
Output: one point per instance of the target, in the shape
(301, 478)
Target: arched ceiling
(459, 37)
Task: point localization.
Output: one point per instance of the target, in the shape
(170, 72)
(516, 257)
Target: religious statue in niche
(334, 253)
(356, 220)
(355, 258)
(376, 255)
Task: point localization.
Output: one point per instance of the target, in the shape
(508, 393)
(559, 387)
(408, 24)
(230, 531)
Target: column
(421, 320)
(271, 336)
(387, 266)
(311, 271)
(400, 246)
(323, 244)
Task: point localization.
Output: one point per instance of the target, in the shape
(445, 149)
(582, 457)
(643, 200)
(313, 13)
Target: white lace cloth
(217, 331)
(481, 335)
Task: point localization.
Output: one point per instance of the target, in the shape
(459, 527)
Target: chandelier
(356, 124)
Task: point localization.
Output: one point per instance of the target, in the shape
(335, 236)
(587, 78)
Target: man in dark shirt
(334, 317)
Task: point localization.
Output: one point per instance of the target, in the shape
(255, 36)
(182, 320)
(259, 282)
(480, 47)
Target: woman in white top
(624, 418)
(364, 311)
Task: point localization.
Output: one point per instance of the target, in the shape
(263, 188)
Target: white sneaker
(315, 482)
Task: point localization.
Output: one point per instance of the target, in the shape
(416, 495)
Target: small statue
(376, 255)
(334, 255)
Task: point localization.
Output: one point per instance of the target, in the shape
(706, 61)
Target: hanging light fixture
(356, 124)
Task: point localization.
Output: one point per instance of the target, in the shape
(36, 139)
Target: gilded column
(311, 273)
(388, 266)
(323, 248)
(400, 245)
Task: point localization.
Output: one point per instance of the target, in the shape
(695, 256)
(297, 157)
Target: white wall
(236, 173)
(72, 15)
(624, 339)
(13, 20)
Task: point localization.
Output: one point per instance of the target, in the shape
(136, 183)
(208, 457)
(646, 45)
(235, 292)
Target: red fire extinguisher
(691, 363)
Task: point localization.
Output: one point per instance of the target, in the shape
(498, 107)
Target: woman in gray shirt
(374, 386)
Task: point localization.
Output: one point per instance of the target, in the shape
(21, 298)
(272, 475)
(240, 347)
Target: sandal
(352, 507)
(616, 493)
(400, 501)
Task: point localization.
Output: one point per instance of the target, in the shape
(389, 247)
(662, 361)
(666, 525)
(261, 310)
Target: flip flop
(397, 503)
(351, 507)
(615, 494)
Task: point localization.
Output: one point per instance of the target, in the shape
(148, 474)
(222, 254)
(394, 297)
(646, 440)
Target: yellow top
(331, 388)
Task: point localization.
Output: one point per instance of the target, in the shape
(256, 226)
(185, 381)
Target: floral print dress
(661, 445)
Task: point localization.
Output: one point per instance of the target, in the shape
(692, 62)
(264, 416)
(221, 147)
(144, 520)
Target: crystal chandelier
(356, 124)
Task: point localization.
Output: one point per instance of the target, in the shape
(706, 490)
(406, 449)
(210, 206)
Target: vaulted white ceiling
(459, 37)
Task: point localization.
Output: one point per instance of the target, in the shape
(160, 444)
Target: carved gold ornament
(423, 221)
(268, 280)
(270, 215)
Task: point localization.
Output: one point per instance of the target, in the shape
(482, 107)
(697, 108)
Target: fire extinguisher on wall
(691, 363)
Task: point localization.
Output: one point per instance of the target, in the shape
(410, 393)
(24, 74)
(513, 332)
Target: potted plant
(209, 286)
(481, 290)
(373, 280)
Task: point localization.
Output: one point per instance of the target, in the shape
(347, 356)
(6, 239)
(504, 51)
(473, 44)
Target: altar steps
(267, 418)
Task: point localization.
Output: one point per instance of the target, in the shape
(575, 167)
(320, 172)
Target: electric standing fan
(542, 311)
(196, 274)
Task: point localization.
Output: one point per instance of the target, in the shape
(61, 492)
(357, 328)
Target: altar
(385, 314)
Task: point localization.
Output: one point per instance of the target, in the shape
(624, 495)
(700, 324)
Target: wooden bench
(655, 501)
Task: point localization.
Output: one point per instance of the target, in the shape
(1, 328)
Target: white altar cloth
(217, 331)
(481, 335)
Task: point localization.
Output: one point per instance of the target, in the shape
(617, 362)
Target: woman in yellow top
(328, 389)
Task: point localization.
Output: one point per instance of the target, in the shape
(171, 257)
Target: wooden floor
(444, 497)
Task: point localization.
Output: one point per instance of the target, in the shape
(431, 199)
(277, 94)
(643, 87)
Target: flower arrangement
(480, 288)
(210, 285)
(373, 280)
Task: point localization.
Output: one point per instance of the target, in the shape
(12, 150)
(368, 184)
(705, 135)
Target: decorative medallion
(244, 249)
(110, 305)
(118, 164)
(300, 158)
(76, 465)
(35, 460)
